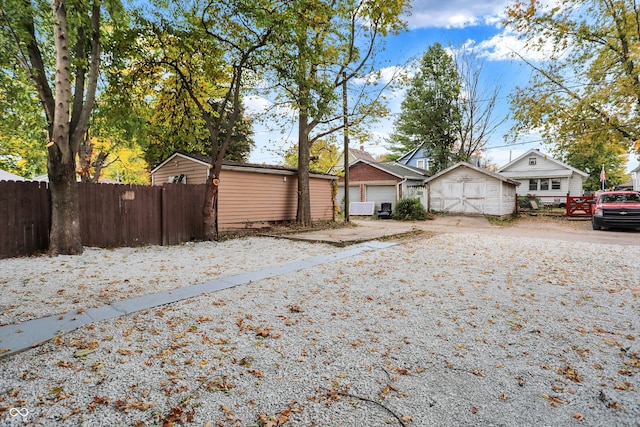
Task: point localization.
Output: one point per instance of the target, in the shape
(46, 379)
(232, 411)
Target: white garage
(381, 194)
(470, 190)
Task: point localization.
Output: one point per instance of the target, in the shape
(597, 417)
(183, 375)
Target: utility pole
(345, 112)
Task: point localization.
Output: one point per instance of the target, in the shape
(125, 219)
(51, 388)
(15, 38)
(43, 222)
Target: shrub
(524, 202)
(409, 210)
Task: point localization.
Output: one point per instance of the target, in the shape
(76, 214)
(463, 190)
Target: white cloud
(455, 13)
(507, 46)
(256, 104)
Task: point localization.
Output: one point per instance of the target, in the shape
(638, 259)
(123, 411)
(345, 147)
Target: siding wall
(544, 167)
(252, 198)
(196, 172)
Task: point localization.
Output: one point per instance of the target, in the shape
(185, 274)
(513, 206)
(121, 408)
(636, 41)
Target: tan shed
(251, 195)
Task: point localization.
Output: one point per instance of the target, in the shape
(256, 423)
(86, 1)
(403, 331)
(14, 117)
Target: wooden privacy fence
(111, 215)
(24, 217)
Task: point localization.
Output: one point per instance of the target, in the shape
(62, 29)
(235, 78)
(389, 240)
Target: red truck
(616, 209)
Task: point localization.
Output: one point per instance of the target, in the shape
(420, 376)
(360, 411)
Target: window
(420, 164)
(532, 161)
(178, 179)
(533, 185)
(544, 184)
(555, 183)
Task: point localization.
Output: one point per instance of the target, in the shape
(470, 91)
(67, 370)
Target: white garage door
(380, 194)
(354, 195)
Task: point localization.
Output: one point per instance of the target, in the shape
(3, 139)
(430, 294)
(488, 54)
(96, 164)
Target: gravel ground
(457, 329)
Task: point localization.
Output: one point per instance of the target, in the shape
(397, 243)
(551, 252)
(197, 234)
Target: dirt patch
(545, 227)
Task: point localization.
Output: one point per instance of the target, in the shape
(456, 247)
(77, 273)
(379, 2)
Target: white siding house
(467, 189)
(635, 178)
(540, 175)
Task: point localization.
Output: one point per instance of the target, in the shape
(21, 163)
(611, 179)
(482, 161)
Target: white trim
(174, 155)
(544, 156)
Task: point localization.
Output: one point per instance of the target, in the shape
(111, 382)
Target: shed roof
(229, 165)
(477, 169)
(8, 176)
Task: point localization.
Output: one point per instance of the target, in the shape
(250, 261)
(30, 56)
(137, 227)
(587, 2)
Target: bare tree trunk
(64, 236)
(210, 208)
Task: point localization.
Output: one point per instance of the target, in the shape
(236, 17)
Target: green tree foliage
(430, 114)
(323, 156)
(23, 128)
(585, 98)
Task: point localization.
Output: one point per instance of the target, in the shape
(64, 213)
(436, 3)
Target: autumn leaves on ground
(456, 329)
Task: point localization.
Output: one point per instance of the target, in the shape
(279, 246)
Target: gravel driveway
(464, 328)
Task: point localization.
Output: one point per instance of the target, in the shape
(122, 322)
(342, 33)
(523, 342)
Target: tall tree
(64, 74)
(329, 43)
(204, 53)
(585, 99)
(477, 104)
(430, 113)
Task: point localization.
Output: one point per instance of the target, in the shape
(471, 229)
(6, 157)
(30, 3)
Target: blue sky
(451, 23)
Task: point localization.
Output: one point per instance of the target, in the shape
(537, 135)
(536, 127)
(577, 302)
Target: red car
(616, 209)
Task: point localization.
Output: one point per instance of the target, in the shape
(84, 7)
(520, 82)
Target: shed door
(381, 194)
(465, 197)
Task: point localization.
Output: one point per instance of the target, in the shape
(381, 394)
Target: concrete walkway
(366, 230)
(23, 336)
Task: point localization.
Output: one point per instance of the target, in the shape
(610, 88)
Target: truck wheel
(594, 226)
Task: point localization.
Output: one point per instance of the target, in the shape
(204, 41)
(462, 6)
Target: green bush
(524, 202)
(409, 210)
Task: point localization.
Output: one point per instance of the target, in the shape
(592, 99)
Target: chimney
(362, 148)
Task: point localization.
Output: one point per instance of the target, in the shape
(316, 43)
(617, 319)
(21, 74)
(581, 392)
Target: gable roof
(397, 169)
(408, 156)
(361, 154)
(477, 169)
(8, 176)
(229, 165)
(538, 153)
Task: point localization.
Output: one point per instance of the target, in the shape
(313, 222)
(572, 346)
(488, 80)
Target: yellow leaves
(570, 374)
(553, 400)
(126, 406)
(626, 386)
(97, 401)
(82, 354)
(280, 418)
(296, 309)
